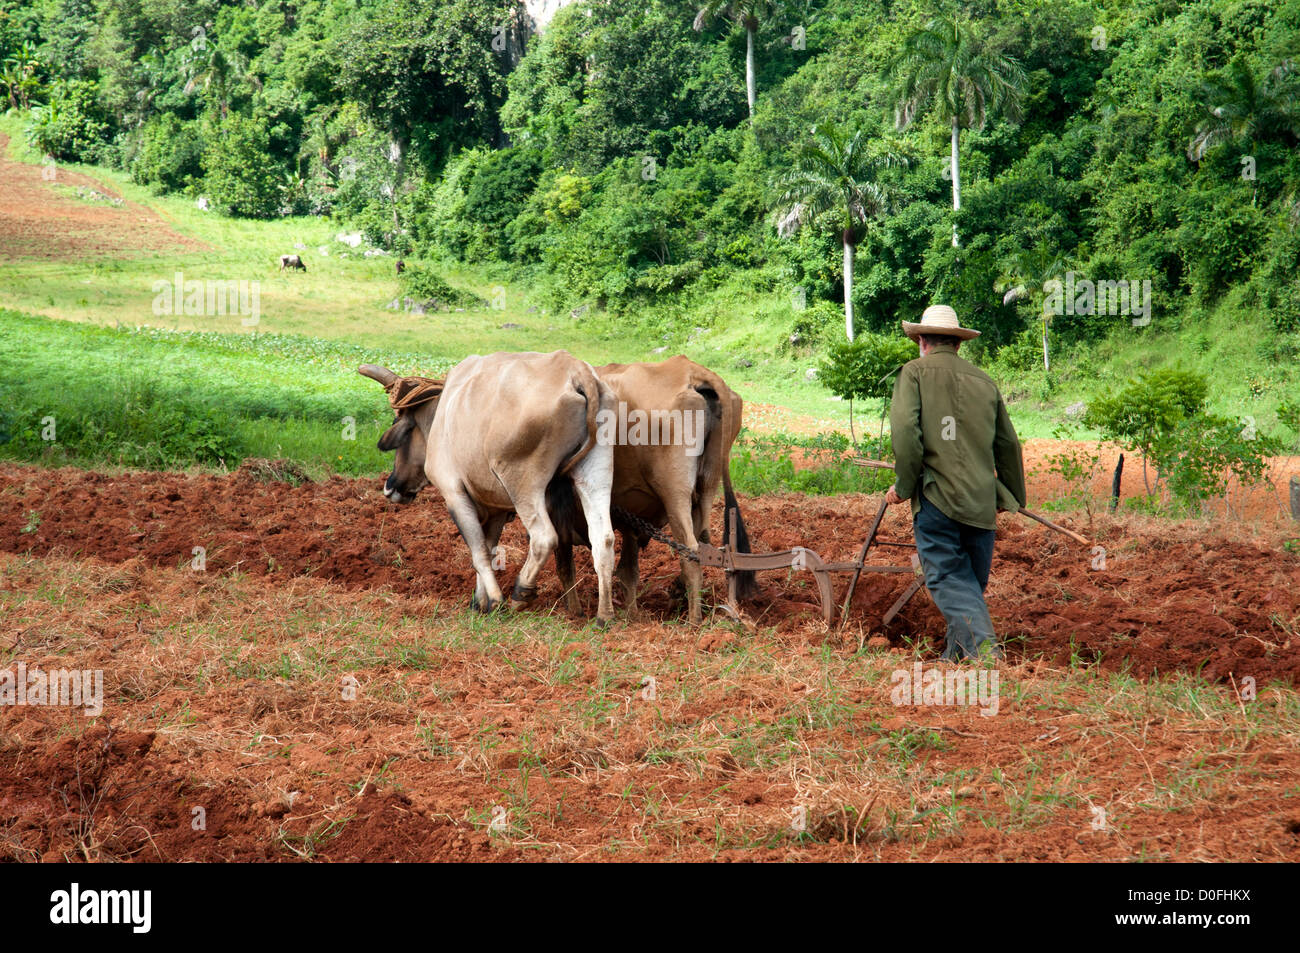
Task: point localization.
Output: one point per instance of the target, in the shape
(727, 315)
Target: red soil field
(1189, 596)
(38, 219)
(94, 571)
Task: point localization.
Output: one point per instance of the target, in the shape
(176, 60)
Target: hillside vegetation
(606, 179)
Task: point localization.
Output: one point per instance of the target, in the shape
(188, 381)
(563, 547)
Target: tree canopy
(613, 158)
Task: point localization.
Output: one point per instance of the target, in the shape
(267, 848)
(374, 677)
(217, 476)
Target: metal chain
(650, 529)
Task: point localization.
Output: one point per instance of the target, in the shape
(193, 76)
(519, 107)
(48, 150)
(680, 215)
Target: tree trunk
(956, 179)
(848, 285)
(751, 81)
(399, 173)
(1047, 362)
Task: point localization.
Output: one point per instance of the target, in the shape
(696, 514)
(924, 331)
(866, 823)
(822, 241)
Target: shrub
(239, 179)
(170, 155)
(1161, 413)
(864, 369)
(71, 126)
(815, 325)
(1148, 406)
(429, 287)
(1197, 457)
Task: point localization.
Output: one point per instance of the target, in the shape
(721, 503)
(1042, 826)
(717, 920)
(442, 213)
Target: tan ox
(492, 437)
(672, 429)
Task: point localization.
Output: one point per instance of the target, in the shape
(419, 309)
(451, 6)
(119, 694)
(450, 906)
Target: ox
(291, 261)
(493, 437)
(672, 429)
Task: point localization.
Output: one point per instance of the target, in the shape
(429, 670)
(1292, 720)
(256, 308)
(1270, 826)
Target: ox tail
(587, 384)
(746, 580)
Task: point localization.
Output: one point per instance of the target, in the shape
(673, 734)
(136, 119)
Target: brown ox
(668, 470)
(291, 261)
(492, 437)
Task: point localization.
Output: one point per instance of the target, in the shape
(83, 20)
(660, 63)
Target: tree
(1026, 278)
(1239, 106)
(239, 179)
(214, 69)
(966, 77)
(430, 76)
(1147, 409)
(838, 177)
(747, 13)
(18, 76)
(864, 370)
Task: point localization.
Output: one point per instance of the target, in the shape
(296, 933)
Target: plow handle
(885, 465)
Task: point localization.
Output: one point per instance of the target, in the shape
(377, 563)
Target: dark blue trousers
(956, 559)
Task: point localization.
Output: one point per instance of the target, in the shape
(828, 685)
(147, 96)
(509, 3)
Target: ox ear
(398, 433)
(377, 373)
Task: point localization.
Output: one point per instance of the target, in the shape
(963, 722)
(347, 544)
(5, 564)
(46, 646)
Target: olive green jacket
(953, 440)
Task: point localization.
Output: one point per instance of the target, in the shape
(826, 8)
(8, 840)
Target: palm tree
(966, 77)
(152, 67)
(1026, 279)
(1241, 107)
(212, 68)
(837, 176)
(748, 13)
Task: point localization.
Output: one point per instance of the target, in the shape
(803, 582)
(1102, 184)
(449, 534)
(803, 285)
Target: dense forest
(637, 150)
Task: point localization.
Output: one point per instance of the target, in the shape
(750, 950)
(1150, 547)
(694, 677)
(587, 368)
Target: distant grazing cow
(676, 422)
(291, 261)
(401, 266)
(493, 437)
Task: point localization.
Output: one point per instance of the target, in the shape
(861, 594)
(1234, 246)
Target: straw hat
(939, 319)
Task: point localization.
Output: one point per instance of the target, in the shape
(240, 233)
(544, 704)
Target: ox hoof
(485, 607)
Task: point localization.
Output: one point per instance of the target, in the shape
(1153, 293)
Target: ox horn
(377, 373)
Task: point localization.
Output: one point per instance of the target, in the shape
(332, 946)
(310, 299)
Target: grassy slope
(343, 299)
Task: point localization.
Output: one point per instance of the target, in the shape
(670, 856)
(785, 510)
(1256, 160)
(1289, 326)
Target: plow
(800, 558)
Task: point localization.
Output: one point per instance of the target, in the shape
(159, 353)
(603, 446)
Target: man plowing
(957, 458)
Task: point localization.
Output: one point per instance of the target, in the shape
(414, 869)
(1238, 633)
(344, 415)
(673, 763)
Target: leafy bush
(864, 369)
(815, 325)
(1024, 352)
(427, 286)
(1161, 413)
(1197, 457)
(239, 179)
(170, 154)
(71, 126)
(1148, 407)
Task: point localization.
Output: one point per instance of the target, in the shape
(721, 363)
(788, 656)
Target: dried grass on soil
(225, 691)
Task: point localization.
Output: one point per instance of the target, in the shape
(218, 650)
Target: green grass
(162, 398)
(169, 399)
